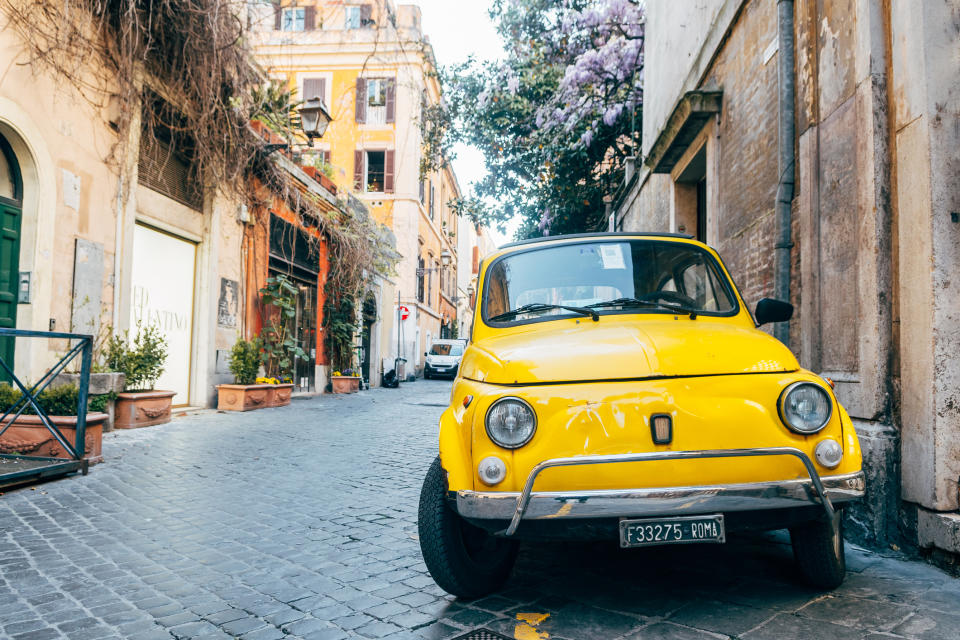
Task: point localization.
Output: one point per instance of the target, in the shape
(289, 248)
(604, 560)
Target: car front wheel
(464, 560)
(818, 549)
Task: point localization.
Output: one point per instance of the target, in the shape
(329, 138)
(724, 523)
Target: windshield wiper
(539, 306)
(637, 302)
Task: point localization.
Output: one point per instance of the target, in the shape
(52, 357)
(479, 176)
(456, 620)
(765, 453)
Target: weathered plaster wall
(60, 138)
(926, 105)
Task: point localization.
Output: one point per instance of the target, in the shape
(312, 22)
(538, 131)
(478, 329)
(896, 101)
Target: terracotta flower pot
(245, 397)
(143, 408)
(28, 436)
(281, 394)
(345, 384)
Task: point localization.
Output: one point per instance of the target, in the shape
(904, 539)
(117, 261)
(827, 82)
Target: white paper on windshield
(612, 256)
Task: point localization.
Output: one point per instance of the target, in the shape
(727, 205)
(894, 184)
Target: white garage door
(163, 277)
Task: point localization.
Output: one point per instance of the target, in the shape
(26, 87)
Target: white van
(443, 359)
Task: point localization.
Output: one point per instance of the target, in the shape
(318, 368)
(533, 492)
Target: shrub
(56, 401)
(245, 360)
(142, 362)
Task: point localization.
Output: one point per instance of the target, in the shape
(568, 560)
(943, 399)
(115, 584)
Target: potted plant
(104, 383)
(347, 381)
(28, 435)
(280, 348)
(142, 362)
(249, 391)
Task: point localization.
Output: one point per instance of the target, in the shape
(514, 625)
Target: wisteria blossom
(558, 115)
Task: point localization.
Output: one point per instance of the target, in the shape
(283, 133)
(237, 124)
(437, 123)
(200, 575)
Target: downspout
(787, 134)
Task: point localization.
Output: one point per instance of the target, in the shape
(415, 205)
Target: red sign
(404, 313)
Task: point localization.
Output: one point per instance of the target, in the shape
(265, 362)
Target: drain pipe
(787, 133)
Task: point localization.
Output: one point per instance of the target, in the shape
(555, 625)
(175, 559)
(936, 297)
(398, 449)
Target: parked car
(617, 387)
(443, 359)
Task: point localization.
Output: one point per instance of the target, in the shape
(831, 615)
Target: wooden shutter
(325, 156)
(388, 171)
(366, 16)
(277, 16)
(391, 100)
(361, 111)
(358, 170)
(315, 88)
(309, 18)
(423, 189)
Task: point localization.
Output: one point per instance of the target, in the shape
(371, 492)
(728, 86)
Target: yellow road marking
(526, 626)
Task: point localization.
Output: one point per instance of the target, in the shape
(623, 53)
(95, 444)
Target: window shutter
(388, 171)
(361, 114)
(309, 18)
(277, 16)
(358, 158)
(314, 88)
(366, 16)
(423, 189)
(391, 100)
(325, 156)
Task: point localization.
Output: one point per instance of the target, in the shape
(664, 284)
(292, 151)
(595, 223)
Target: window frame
(366, 170)
(293, 21)
(715, 262)
(347, 22)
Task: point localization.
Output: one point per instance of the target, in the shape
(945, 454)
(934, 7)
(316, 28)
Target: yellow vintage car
(617, 387)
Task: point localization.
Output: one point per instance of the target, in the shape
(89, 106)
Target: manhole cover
(482, 634)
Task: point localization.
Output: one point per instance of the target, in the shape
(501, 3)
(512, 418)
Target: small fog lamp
(829, 453)
(661, 427)
(492, 470)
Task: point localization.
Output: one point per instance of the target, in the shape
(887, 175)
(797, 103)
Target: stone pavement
(301, 522)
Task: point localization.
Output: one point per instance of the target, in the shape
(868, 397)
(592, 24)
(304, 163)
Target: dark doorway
(366, 337)
(11, 212)
(702, 210)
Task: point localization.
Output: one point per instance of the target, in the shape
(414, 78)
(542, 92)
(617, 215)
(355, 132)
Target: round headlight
(805, 407)
(511, 422)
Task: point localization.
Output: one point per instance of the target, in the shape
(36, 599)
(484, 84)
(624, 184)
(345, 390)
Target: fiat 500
(617, 387)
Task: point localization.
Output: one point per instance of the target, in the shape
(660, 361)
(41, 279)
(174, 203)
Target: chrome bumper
(672, 501)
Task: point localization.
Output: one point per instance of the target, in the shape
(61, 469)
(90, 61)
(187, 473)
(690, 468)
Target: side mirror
(770, 310)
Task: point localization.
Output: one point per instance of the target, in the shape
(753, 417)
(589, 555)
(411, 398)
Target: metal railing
(39, 466)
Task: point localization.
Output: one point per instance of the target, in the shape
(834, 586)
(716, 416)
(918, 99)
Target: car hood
(444, 360)
(615, 350)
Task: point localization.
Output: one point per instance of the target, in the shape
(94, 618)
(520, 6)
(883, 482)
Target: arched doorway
(11, 214)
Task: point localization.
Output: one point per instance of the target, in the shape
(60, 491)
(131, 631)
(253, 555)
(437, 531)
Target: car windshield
(641, 276)
(446, 350)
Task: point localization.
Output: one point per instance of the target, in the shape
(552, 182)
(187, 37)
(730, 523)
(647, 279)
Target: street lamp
(445, 258)
(314, 119)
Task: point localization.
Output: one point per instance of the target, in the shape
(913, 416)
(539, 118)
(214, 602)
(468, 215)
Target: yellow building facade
(374, 69)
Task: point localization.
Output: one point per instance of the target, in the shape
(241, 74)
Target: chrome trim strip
(738, 496)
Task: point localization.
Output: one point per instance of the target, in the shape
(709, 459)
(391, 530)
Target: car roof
(599, 235)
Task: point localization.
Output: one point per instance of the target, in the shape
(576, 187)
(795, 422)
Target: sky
(458, 29)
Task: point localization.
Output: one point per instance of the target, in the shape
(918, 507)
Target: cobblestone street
(301, 522)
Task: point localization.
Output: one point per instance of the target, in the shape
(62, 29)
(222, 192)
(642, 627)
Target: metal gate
(14, 468)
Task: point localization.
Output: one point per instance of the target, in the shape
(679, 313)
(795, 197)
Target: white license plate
(687, 529)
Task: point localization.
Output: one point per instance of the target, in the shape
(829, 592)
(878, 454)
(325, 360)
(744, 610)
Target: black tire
(464, 560)
(819, 551)
(426, 374)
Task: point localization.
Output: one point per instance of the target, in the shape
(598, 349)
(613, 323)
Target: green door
(11, 195)
(9, 276)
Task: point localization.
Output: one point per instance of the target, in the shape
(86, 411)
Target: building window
(375, 171)
(376, 100)
(433, 191)
(294, 19)
(423, 191)
(358, 16)
(420, 277)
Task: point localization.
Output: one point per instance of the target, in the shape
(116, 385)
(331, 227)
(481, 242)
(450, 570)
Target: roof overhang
(687, 120)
